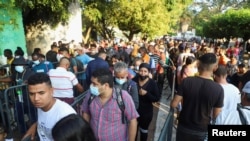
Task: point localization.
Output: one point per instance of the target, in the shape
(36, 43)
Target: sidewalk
(160, 115)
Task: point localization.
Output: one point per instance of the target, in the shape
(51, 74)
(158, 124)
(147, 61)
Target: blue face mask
(120, 81)
(94, 90)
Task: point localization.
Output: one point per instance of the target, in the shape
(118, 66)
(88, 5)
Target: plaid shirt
(106, 120)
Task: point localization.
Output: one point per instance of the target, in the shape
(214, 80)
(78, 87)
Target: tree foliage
(148, 17)
(46, 11)
(140, 16)
(235, 23)
(7, 9)
(212, 8)
(98, 16)
(177, 14)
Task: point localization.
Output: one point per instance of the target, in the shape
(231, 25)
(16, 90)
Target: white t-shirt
(180, 60)
(231, 117)
(231, 97)
(62, 82)
(47, 120)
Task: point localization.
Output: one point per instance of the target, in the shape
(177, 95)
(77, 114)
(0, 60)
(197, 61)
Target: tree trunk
(86, 37)
(130, 36)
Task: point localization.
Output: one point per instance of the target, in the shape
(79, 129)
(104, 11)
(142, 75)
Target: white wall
(43, 36)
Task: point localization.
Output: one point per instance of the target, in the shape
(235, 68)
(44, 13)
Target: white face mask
(36, 62)
(19, 69)
(59, 56)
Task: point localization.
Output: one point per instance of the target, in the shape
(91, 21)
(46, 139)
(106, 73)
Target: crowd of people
(122, 81)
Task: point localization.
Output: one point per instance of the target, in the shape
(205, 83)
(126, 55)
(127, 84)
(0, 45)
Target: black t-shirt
(245, 78)
(199, 97)
(51, 56)
(235, 79)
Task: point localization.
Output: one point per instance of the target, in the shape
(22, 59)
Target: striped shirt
(106, 120)
(62, 82)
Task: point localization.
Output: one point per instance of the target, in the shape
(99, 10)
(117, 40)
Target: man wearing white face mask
(123, 82)
(21, 73)
(40, 66)
(104, 114)
(20, 76)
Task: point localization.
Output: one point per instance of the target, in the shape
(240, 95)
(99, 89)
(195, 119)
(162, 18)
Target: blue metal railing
(166, 132)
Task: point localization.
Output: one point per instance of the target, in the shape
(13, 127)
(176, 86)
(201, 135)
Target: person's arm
(216, 112)
(152, 95)
(218, 105)
(6, 79)
(177, 99)
(132, 129)
(86, 117)
(31, 132)
(75, 69)
(79, 87)
(240, 86)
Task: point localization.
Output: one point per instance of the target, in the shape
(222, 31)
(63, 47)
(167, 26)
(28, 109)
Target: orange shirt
(223, 60)
(160, 69)
(146, 58)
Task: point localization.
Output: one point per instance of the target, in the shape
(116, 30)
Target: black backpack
(80, 66)
(119, 101)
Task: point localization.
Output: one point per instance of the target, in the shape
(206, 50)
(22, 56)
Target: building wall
(11, 35)
(43, 36)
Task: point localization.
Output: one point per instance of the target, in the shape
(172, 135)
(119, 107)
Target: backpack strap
(129, 86)
(120, 103)
(91, 98)
(242, 118)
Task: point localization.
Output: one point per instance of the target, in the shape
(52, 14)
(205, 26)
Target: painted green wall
(12, 35)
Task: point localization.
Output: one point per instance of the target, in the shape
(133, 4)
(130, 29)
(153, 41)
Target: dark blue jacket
(94, 65)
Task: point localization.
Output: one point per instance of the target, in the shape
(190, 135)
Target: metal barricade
(4, 73)
(19, 111)
(166, 132)
(78, 102)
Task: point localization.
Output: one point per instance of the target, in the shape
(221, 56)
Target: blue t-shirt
(44, 67)
(85, 59)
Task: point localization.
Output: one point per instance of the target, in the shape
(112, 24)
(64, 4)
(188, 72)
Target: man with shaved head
(63, 81)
